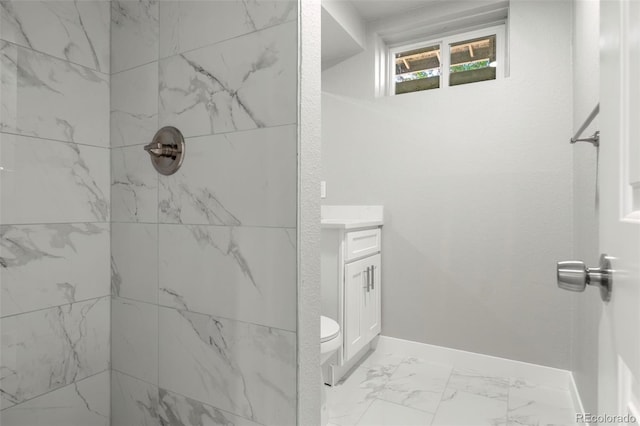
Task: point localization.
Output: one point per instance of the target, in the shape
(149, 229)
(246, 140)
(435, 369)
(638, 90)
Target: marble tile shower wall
(204, 261)
(54, 213)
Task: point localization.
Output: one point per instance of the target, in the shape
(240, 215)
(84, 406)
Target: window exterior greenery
(468, 58)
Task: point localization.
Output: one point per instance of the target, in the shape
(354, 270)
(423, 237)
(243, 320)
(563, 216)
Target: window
(451, 61)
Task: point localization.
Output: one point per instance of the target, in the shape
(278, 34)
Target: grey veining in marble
(134, 261)
(134, 33)
(133, 402)
(215, 89)
(39, 174)
(134, 338)
(243, 178)
(134, 105)
(216, 21)
(76, 31)
(51, 348)
(418, 384)
(178, 410)
(248, 274)
(50, 98)
(50, 265)
(82, 403)
(134, 186)
(477, 383)
(244, 369)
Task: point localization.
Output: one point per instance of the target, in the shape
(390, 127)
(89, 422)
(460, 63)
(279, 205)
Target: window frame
(445, 55)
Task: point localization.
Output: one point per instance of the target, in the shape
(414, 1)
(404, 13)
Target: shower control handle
(166, 150)
(573, 275)
(159, 150)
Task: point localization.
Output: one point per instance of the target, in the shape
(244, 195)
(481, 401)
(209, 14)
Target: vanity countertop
(350, 223)
(351, 217)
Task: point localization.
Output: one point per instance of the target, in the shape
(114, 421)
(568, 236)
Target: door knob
(573, 275)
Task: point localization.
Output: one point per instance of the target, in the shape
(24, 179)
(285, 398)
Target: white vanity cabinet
(351, 287)
(361, 302)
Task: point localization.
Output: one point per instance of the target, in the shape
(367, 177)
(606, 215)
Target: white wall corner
(346, 15)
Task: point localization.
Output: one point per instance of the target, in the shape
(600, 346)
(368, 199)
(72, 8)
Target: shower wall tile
(216, 21)
(134, 105)
(241, 368)
(246, 274)
(176, 409)
(134, 186)
(243, 83)
(47, 349)
(52, 265)
(76, 31)
(8, 85)
(133, 402)
(134, 338)
(134, 261)
(134, 33)
(52, 182)
(243, 178)
(49, 98)
(80, 404)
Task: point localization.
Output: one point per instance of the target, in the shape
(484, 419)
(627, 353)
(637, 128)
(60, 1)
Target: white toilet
(330, 342)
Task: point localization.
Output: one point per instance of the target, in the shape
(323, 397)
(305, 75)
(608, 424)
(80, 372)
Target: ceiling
(375, 10)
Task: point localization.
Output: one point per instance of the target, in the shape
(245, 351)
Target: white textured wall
(309, 213)
(587, 306)
(476, 182)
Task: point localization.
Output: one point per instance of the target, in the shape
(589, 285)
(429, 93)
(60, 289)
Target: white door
(619, 186)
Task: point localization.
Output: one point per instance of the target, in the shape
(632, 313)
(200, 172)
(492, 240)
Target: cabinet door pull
(373, 277)
(365, 275)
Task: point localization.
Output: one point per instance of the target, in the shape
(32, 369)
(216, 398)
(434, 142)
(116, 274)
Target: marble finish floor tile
(348, 401)
(463, 409)
(399, 390)
(383, 413)
(530, 404)
(418, 384)
(477, 383)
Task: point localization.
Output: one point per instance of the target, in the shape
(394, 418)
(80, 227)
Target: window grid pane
(418, 69)
(472, 60)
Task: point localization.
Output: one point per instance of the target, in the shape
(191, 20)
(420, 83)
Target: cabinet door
(372, 308)
(356, 331)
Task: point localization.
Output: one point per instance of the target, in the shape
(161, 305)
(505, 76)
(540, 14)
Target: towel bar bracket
(594, 139)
